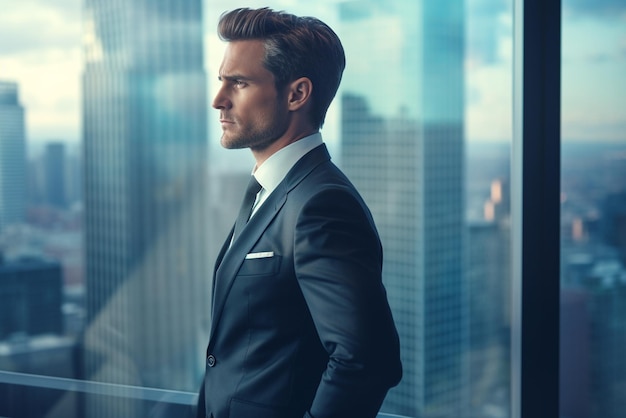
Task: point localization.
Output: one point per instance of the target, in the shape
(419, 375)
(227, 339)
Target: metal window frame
(535, 174)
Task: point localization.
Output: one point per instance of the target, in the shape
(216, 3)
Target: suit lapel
(233, 257)
(230, 259)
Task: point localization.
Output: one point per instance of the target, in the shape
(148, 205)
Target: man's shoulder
(326, 175)
(327, 184)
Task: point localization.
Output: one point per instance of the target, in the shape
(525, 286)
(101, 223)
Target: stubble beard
(255, 140)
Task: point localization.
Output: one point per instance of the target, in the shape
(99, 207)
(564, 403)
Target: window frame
(535, 202)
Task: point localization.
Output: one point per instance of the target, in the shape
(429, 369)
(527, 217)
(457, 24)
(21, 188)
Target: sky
(41, 50)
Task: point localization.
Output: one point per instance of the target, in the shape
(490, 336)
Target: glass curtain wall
(106, 277)
(593, 210)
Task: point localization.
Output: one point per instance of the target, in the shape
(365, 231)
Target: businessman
(301, 326)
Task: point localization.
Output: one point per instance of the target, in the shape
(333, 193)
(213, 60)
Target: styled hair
(294, 47)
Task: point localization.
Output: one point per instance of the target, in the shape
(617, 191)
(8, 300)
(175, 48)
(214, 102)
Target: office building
(614, 223)
(489, 304)
(55, 179)
(406, 157)
(12, 156)
(30, 298)
(145, 189)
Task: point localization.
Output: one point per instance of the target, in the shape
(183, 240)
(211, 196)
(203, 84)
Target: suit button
(210, 360)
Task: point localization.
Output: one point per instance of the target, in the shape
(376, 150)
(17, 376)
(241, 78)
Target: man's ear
(300, 93)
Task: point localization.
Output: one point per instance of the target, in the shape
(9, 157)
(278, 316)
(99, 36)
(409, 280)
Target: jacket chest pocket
(260, 264)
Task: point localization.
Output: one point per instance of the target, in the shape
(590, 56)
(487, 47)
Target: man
(301, 324)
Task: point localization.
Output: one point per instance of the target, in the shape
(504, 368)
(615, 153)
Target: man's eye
(239, 83)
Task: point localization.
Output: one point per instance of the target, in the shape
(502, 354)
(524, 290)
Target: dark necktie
(246, 206)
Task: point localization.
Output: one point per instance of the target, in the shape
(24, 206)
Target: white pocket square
(264, 254)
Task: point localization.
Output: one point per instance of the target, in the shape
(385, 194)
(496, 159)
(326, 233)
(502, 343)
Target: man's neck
(260, 155)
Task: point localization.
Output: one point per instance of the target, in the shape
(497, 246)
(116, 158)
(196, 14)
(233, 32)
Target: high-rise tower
(12, 156)
(55, 167)
(145, 164)
(402, 145)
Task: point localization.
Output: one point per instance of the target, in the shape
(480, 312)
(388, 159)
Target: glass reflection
(593, 210)
(421, 124)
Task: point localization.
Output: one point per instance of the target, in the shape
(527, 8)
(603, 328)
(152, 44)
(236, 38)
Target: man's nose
(220, 101)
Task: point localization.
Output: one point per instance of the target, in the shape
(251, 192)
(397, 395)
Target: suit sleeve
(338, 261)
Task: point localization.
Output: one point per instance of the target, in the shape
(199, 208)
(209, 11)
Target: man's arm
(338, 261)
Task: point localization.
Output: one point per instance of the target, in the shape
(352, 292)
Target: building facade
(55, 180)
(145, 189)
(12, 156)
(406, 156)
(30, 298)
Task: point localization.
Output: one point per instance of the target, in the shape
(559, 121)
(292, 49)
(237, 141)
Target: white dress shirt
(275, 168)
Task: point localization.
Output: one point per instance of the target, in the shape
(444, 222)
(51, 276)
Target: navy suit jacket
(301, 324)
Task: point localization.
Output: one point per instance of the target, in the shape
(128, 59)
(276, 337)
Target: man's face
(252, 113)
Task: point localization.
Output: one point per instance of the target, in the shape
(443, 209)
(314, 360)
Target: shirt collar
(275, 168)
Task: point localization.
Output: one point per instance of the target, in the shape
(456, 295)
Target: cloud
(49, 88)
(488, 22)
(604, 8)
(36, 25)
(488, 113)
(41, 50)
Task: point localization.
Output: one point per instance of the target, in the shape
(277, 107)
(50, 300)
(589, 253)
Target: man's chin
(238, 143)
(227, 144)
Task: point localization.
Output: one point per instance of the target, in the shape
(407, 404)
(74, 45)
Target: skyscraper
(402, 145)
(145, 162)
(487, 273)
(12, 156)
(54, 178)
(30, 298)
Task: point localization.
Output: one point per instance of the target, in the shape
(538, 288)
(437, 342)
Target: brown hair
(294, 47)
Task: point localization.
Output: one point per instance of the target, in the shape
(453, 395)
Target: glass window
(593, 210)
(115, 196)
